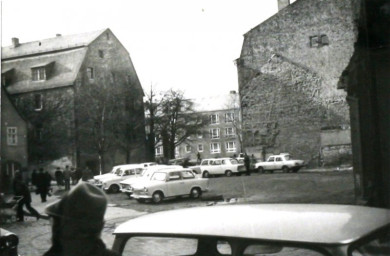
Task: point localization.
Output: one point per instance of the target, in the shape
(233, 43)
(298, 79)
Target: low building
(336, 147)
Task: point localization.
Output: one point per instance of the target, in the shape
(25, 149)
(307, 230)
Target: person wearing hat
(77, 223)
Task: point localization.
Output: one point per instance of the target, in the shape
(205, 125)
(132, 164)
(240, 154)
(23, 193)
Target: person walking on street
(22, 190)
(247, 162)
(43, 184)
(34, 178)
(67, 175)
(77, 223)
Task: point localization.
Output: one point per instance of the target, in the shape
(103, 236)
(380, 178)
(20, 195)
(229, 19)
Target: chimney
(282, 4)
(15, 42)
(57, 35)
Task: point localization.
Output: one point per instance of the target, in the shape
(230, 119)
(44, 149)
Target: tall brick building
(54, 83)
(288, 72)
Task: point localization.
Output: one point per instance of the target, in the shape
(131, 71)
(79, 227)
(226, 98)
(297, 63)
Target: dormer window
(41, 72)
(6, 77)
(38, 74)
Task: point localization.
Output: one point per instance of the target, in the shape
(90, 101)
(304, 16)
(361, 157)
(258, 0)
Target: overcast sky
(182, 44)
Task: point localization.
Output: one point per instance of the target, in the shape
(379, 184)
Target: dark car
(277, 229)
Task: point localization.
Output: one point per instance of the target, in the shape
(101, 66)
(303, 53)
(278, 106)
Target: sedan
(267, 229)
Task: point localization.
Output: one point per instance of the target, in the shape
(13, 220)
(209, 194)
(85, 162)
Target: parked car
(170, 183)
(112, 183)
(127, 184)
(196, 168)
(185, 162)
(220, 166)
(280, 162)
(267, 229)
(8, 243)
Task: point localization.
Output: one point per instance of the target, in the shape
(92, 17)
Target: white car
(282, 162)
(170, 183)
(111, 183)
(126, 185)
(221, 166)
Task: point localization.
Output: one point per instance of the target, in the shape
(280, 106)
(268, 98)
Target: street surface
(306, 186)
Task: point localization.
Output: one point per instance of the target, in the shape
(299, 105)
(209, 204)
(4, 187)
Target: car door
(217, 167)
(269, 165)
(278, 163)
(174, 184)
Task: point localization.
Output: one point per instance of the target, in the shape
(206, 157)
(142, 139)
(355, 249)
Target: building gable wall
(288, 88)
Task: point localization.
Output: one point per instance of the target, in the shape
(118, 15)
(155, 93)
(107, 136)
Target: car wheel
(228, 173)
(114, 188)
(260, 169)
(206, 174)
(195, 193)
(285, 169)
(157, 197)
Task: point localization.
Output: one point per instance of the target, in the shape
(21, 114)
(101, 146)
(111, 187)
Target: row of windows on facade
(215, 148)
(214, 118)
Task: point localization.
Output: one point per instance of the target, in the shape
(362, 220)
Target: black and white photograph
(195, 128)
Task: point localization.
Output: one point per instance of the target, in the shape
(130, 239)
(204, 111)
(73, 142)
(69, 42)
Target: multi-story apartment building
(222, 136)
(57, 84)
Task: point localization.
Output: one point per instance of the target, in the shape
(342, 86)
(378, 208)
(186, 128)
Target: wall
(288, 88)
(116, 68)
(336, 148)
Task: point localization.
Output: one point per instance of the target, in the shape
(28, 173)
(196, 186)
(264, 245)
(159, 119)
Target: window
(187, 175)
(188, 148)
(38, 74)
(229, 132)
(38, 102)
(278, 159)
(159, 151)
(230, 146)
(214, 148)
(214, 119)
(90, 73)
(12, 136)
(214, 133)
(229, 117)
(101, 54)
(177, 151)
(200, 147)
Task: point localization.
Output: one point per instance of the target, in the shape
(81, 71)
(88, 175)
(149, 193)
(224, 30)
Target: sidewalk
(35, 236)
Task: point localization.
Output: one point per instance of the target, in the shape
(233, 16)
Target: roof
(51, 44)
(64, 73)
(306, 223)
(221, 101)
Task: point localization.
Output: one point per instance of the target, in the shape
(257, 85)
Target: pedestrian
(199, 159)
(43, 184)
(86, 174)
(59, 177)
(67, 174)
(247, 164)
(77, 223)
(21, 190)
(34, 177)
(74, 175)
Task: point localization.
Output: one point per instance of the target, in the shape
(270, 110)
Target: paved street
(304, 187)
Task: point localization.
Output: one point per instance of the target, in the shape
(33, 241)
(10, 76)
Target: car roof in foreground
(307, 223)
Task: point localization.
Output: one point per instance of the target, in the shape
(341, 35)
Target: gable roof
(57, 43)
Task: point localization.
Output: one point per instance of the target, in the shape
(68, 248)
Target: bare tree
(98, 113)
(233, 104)
(177, 121)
